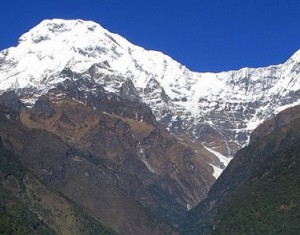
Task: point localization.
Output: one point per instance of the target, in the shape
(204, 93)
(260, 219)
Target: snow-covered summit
(56, 44)
(218, 110)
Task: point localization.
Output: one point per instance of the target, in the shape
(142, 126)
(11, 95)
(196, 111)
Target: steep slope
(107, 154)
(259, 190)
(216, 110)
(17, 218)
(75, 174)
(29, 207)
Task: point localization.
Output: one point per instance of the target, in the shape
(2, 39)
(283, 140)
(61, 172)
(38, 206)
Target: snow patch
(217, 171)
(279, 109)
(142, 156)
(222, 158)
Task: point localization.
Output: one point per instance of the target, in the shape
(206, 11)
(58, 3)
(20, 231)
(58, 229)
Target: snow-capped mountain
(218, 110)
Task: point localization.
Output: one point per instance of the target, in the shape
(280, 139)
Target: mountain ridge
(217, 110)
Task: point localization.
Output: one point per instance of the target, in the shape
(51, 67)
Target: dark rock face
(44, 107)
(128, 91)
(85, 181)
(93, 151)
(82, 87)
(11, 100)
(258, 185)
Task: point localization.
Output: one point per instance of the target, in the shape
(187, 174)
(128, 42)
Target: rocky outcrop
(11, 100)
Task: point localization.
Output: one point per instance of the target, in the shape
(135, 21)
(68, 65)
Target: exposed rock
(84, 179)
(74, 140)
(43, 106)
(11, 100)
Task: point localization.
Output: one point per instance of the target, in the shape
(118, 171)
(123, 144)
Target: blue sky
(204, 35)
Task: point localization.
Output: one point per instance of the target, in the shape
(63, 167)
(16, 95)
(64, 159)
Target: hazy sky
(204, 35)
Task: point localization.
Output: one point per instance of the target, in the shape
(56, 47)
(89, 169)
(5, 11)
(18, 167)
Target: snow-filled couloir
(218, 110)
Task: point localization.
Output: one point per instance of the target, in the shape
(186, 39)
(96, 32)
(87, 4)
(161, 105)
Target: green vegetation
(167, 207)
(269, 202)
(16, 218)
(89, 225)
(27, 206)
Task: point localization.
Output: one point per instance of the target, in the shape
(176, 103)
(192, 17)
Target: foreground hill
(258, 193)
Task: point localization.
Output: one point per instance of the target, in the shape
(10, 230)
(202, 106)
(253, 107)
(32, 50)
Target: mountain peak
(56, 44)
(296, 56)
(49, 28)
(224, 107)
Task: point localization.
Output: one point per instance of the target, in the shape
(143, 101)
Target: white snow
(188, 207)
(222, 158)
(279, 109)
(217, 171)
(144, 159)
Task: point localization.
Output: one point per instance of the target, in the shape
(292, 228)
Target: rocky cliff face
(216, 110)
(257, 191)
(108, 155)
(28, 206)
